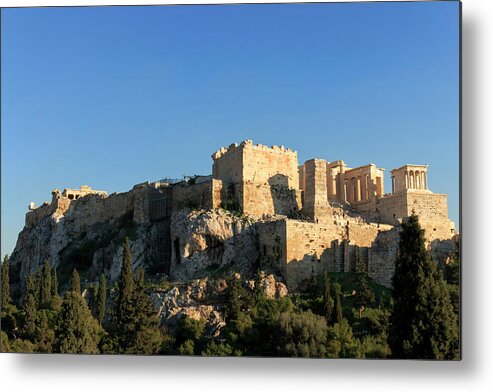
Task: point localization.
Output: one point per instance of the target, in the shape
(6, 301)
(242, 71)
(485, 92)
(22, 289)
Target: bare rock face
(204, 299)
(208, 241)
(86, 234)
(271, 285)
(189, 300)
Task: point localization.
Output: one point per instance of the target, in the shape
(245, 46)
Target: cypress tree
(140, 278)
(258, 293)
(327, 303)
(125, 285)
(146, 336)
(364, 293)
(124, 312)
(422, 324)
(45, 285)
(44, 334)
(101, 299)
(313, 285)
(75, 282)
(54, 283)
(233, 303)
(29, 308)
(337, 313)
(135, 321)
(76, 331)
(31, 288)
(5, 283)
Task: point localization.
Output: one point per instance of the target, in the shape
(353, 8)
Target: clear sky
(114, 96)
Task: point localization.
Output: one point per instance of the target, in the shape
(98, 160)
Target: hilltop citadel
(304, 219)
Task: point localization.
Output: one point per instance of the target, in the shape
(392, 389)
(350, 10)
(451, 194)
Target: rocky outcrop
(204, 299)
(205, 242)
(86, 234)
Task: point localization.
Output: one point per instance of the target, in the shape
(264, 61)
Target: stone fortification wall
(272, 246)
(315, 200)
(431, 209)
(194, 196)
(33, 217)
(272, 165)
(262, 180)
(93, 209)
(298, 249)
(382, 256)
(392, 207)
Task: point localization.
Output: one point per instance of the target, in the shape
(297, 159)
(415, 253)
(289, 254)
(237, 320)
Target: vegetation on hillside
(341, 315)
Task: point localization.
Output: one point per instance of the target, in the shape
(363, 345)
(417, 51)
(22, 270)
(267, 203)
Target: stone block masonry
(310, 218)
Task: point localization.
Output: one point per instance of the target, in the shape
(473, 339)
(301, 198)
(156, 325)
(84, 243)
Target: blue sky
(114, 96)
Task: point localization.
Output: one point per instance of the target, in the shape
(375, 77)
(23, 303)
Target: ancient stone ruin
(262, 207)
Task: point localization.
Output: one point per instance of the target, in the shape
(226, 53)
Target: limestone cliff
(204, 299)
(206, 242)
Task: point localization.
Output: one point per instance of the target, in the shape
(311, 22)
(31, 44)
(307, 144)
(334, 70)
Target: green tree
(364, 293)
(337, 312)
(124, 312)
(5, 282)
(54, 283)
(45, 335)
(135, 323)
(233, 302)
(32, 282)
(140, 278)
(422, 324)
(327, 300)
(45, 285)
(75, 286)
(101, 299)
(4, 343)
(258, 292)
(146, 337)
(76, 331)
(220, 350)
(341, 343)
(302, 335)
(313, 287)
(29, 308)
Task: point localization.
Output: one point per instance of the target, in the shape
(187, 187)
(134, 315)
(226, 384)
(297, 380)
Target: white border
(85, 373)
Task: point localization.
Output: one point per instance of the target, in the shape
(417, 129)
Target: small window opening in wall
(393, 216)
(434, 229)
(265, 250)
(71, 197)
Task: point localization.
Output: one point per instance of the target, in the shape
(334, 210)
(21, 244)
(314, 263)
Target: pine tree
(5, 283)
(327, 300)
(54, 283)
(75, 282)
(337, 313)
(45, 285)
(422, 324)
(101, 299)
